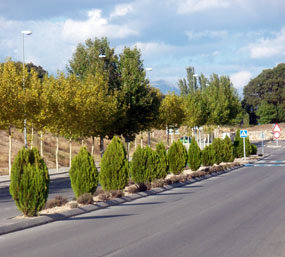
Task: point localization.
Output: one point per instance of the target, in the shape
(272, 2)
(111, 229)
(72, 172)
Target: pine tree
(194, 155)
(29, 182)
(138, 165)
(83, 173)
(114, 166)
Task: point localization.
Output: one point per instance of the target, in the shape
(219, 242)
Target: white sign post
(276, 132)
(243, 134)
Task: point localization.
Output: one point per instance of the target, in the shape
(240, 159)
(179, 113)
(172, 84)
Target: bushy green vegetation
(162, 165)
(114, 166)
(177, 157)
(194, 155)
(228, 150)
(83, 173)
(29, 182)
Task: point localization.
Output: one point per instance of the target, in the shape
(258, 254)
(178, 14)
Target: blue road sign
(243, 133)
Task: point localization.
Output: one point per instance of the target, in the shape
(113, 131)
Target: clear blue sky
(238, 38)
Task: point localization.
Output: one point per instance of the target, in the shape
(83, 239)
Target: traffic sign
(276, 134)
(276, 128)
(243, 133)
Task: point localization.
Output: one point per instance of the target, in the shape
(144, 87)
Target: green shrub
(217, 147)
(138, 165)
(194, 155)
(83, 173)
(114, 166)
(228, 150)
(208, 156)
(177, 157)
(29, 182)
(253, 149)
(144, 165)
(162, 165)
(151, 165)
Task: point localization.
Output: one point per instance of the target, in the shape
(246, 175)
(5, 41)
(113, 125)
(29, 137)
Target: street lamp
(148, 133)
(28, 33)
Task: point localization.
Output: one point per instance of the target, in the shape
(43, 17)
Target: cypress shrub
(162, 165)
(253, 149)
(151, 164)
(177, 157)
(138, 165)
(228, 150)
(83, 173)
(208, 156)
(29, 182)
(114, 166)
(194, 155)
(217, 147)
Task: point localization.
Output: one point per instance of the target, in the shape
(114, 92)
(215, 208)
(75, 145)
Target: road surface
(241, 213)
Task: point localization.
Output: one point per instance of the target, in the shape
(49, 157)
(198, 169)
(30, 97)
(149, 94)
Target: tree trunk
(10, 151)
(42, 153)
(101, 146)
(70, 152)
(32, 138)
(135, 142)
(92, 147)
(56, 154)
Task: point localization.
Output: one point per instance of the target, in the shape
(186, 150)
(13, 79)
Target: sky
(236, 38)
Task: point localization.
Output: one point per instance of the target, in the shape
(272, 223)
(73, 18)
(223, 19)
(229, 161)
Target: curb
(48, 218)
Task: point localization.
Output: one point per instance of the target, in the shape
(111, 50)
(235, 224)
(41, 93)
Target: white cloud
(266, 48)
(151, 49)
(240, 79)
(95, 26)
(121, 10)
(207, 33)
(192, 6)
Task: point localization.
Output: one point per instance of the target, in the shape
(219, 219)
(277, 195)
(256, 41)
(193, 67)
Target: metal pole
(262, 143)
(25, 121)
(244, 154)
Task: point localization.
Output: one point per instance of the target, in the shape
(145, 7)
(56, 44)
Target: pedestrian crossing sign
(243, 133)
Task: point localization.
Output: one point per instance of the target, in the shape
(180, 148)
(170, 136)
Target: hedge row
(30, 179)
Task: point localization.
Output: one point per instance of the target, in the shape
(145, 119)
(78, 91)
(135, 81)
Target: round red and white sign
(276, 134)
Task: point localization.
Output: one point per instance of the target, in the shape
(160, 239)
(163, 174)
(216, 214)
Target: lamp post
(148, 133)
(28, 33)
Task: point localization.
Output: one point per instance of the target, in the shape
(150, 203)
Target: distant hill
(165, 86)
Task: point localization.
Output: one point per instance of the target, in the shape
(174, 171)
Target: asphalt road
(241, 213)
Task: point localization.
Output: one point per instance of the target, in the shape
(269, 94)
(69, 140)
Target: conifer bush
(194, 155)
(151, 172)
(29, 182)
(138, 165)
(83, 173)
(162, 165)
(114, 166)
(177, 157)
(217, 146)
(228, 150)
(208, 156)
(253, 149)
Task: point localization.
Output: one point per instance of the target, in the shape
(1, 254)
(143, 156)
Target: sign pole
(262, 143)
(244, 154)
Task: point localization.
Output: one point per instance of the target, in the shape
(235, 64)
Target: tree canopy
(267, 88)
